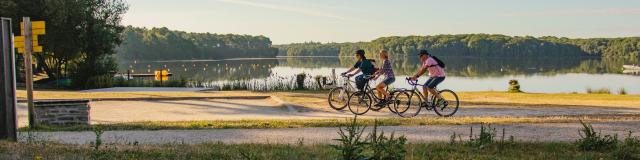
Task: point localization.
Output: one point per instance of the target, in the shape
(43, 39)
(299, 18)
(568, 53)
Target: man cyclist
(436, 74)
(363, 65)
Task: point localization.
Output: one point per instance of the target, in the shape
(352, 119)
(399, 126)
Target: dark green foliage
(165, 44)
(629, 148)
(81, 36)
(595, 141)
(386, 148)
(485, 138)
(300, 78)
(514, 86)
(376, 146)
(476, 45)
(351, 143)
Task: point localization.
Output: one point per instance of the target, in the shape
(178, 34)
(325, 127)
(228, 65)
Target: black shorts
(433, 82)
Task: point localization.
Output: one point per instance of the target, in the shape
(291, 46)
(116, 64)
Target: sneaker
(382, 103)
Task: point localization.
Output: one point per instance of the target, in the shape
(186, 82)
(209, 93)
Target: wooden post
(8, 123)
(28, 48)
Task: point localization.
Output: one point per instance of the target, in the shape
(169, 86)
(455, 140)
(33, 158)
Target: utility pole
(28, 48)
(8, 123)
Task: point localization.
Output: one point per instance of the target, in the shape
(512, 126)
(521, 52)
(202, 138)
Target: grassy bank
(515, 150)
(302, 123)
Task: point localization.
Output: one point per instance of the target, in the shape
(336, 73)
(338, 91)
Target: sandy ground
(243, 109)
(287, 106)
(521, 132)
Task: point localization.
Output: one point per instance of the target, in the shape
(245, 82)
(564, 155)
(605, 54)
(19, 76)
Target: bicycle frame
(415, 84)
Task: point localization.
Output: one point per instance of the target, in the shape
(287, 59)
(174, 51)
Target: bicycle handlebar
(413, 82)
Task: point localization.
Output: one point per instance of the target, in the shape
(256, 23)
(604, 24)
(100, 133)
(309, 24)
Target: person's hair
(385, 53)
(361, 53)
(424, 52)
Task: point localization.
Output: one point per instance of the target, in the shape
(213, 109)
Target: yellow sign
(162, 75)
(37, 28)
(34, 25)
(35, 49)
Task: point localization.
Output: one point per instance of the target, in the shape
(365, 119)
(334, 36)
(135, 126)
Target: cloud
(288, 8)
(577, 12)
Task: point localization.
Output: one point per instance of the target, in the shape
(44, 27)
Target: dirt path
(239, 109)
(521, 132)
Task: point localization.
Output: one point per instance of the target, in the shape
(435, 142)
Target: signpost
(8, 123)
(28, 44)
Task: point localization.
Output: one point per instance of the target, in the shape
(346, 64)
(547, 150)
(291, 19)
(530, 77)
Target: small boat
(631, 67)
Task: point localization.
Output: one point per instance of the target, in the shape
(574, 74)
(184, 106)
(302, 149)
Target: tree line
(165, 44)
(80, 39)
(491, 45)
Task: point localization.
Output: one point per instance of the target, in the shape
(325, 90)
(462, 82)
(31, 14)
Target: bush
(300, 80)
(599, 91)
(594, 141)
(629, 149)
(351, 144)
(622, 91)
(93, 73)
(514, 86)
(386, 147)
(485, 138)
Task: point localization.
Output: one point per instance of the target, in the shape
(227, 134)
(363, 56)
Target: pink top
(434, 70)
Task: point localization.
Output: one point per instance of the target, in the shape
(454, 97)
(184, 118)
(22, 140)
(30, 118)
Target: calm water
(540, 75)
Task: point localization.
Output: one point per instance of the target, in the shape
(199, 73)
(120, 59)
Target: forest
(491, 45)
(165, 44)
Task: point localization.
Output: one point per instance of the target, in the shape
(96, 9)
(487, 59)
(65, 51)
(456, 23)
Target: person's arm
(348, 71)
(354, 73)
(421, 71)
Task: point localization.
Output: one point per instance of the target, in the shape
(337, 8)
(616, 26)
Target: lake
(539, 75)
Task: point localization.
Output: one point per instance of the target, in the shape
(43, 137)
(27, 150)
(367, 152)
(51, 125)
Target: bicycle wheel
(338, 98)
(359, 103)
(407, 103)
(448, 105)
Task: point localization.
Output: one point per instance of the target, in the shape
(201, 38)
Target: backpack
(440, 63)
(367, 67)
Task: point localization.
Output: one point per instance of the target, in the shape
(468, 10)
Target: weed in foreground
(595, 141)
(351, 144)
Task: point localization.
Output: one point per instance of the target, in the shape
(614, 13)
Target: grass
(599, 91)
(441, 150)
(302, 123)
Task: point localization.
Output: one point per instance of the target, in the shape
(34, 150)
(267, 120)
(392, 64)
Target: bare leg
(380, 88)
(434, 92)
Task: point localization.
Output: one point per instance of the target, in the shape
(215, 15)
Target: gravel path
(521, 132)
(242, 109)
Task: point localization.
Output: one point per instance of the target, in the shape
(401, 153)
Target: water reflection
(482, 73)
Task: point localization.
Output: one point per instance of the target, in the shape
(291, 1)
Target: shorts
(388, 81)
(433, 82)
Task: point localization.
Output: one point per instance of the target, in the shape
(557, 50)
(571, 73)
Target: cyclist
(389, 77)
(363, 65)
(436, 74)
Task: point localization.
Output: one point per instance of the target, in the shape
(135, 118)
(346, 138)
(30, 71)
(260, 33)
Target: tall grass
(598, 91)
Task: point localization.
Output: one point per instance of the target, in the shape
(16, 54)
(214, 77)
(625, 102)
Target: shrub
(386, 147)
(300, 80)
(595, 141)
(622, 91)
(351, 144)
(599, 91)
(514, 86)
(485, 138)
(629, 149)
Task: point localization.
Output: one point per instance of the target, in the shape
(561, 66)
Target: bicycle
(362, 100)
(414, 97)
(340, 94)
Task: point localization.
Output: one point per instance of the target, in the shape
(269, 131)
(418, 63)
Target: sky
(296, 21)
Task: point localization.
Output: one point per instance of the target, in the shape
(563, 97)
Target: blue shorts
(433, 82)
(388, 81)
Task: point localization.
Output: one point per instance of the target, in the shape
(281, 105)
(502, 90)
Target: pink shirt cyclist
(434, 69)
